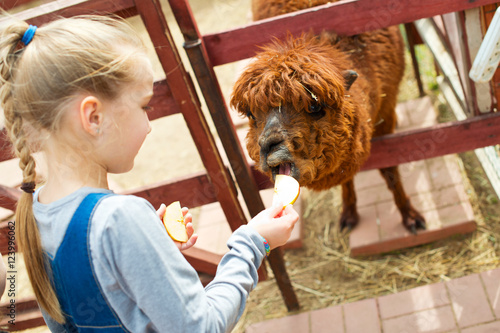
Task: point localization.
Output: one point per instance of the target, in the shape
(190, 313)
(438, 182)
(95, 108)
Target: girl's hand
(275, 224)
(188, 219)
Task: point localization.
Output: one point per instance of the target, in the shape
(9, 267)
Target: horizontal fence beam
(27, 315)
(7, 247)
(67, 8)
(193, 191)
(349, 17)
(438, 140)
(9, 197)
(9, 4)
(202, 260)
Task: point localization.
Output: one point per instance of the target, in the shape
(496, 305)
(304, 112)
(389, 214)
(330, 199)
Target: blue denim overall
(78, 291)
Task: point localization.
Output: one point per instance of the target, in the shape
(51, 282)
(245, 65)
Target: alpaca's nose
(271, 136)
(269, 143)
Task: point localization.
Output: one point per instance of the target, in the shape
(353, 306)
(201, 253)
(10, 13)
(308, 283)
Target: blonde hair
(90, 54)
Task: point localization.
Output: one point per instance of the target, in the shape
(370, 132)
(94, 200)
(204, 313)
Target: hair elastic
(28, 187)
(28, 34)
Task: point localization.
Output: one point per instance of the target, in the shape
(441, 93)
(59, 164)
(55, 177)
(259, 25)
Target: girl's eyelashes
(147, 108)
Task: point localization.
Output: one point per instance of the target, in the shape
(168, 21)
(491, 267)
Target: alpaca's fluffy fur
(305, 120)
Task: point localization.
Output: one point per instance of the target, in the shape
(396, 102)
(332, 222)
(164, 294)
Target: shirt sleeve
(153, 273)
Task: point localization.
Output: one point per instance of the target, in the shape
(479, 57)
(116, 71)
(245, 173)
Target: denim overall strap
(78, 291)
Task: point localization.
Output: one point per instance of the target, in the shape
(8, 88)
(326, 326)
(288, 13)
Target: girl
(77, 89)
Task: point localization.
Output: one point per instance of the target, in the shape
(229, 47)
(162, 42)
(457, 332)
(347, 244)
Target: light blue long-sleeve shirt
(144, 277)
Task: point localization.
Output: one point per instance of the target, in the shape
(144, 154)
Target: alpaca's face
(305, 144)
(301, 122)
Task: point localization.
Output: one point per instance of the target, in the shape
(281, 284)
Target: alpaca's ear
(349, 76)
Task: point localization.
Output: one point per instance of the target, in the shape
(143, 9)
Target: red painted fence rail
(347, 17)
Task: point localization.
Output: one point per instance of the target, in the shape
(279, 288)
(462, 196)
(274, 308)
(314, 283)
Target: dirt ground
(322, 272)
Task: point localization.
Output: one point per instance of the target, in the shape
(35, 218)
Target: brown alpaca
(307, 116)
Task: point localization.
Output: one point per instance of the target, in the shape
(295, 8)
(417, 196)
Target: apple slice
(286, 189)
(173, 220)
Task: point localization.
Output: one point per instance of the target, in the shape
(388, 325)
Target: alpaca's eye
(250, 115)
(315, 107)
(316, 111)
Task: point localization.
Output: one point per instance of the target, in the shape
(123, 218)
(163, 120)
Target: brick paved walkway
(470, 304)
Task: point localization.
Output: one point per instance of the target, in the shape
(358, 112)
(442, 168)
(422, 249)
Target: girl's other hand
(275, 224)
(192, 237)
(188, 222)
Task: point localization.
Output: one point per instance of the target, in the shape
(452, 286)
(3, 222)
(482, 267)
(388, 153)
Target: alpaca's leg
(349, 217)
(412, 219)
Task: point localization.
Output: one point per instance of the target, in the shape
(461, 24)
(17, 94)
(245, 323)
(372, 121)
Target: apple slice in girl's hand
(286, 189)
(173, 220)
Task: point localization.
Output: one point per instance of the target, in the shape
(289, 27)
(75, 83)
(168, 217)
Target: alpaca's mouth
(282, 169)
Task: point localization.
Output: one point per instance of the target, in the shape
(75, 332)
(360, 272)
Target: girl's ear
(91, 115)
